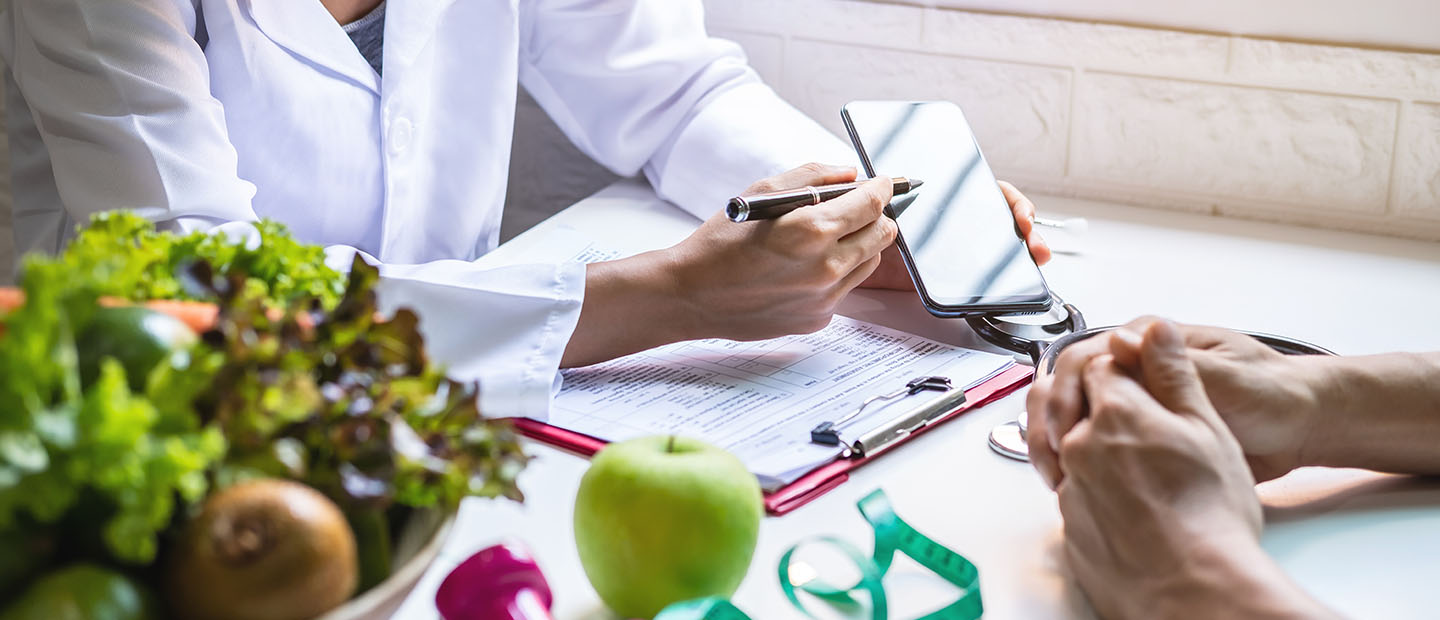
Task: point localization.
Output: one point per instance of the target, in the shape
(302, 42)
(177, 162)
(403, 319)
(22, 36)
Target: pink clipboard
(819, 480)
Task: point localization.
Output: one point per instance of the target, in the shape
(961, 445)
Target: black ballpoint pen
(771, 205)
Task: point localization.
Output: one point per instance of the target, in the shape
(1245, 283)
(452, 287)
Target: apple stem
(670, 445)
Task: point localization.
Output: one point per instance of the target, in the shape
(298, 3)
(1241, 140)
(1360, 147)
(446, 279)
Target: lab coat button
(401, 132)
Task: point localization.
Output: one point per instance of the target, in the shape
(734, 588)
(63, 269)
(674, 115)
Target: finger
(857, 209)
(858, 275)
(1111, 393)
(1125, 347)
(868, 242)
(1042, 456)
(1020, 207)
(1066, 404)
(1197, 336)
(891, 274)
(1170, 374)
(1039, 248)
(1207, 337)
(1074, 451)
(808, 174)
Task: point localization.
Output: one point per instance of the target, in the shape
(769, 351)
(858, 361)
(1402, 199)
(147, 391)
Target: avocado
(263, 549)
(136, 336)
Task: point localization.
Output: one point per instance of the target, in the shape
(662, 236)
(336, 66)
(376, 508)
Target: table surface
(1364, 543)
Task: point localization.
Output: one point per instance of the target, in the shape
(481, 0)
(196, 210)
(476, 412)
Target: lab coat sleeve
(639, 86)
(505, 326)
(119, 93)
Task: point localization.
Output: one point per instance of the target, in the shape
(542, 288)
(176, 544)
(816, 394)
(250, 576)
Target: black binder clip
(828, 433)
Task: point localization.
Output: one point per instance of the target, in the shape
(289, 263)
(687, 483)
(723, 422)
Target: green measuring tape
(891, 534)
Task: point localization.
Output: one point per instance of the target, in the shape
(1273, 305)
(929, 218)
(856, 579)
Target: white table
(1366, 544)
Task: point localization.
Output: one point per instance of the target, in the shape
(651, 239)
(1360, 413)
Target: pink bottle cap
(497, 583)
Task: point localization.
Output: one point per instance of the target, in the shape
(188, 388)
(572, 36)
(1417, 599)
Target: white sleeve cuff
(506, 327)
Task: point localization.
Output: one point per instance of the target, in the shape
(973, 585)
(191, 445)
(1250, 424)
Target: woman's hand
(744, 281)
(1161, 516)
(1269, 401)
(891, 273)
(784, 276)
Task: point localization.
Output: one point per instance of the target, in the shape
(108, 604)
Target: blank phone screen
(957, 227)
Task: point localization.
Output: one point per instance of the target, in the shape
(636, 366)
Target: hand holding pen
(771, 205)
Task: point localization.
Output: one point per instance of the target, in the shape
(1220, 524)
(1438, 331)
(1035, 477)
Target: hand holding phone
(958, 235)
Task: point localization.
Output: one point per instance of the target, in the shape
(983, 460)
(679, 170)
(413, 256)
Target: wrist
(630, 305)
(671, 284)
(1233, 578)
(1323, 407)
(699, 302)
(1378, 413)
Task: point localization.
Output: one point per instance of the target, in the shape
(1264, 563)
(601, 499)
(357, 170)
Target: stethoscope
(1042, 338)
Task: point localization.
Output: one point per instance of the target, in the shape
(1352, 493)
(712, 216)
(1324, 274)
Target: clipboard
(823, 478)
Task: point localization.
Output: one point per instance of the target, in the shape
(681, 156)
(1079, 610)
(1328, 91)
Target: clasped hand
(1149, 435)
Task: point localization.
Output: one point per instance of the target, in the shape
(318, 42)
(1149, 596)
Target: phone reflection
(958, 229)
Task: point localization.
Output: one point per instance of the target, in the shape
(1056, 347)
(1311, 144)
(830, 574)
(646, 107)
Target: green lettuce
(59, 443)
(298, 379)
(278, 268)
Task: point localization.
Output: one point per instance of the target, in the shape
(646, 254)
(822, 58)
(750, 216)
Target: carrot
(198, 316)
(11, 298)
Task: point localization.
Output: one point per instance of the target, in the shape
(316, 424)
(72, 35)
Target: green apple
(665, 519)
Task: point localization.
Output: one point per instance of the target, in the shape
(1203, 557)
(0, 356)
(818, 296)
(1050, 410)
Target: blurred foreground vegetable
(84, 592)
(262, 550)
(278, 268)
(120, 453)
(297, 379)
(350, 406)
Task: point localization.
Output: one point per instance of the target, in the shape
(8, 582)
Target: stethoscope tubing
(1044, 354)
(1008, 439)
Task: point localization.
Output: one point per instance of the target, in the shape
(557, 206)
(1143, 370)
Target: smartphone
(957, 234)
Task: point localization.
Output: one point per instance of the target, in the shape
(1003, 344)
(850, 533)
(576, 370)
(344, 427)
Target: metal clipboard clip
(887, 434)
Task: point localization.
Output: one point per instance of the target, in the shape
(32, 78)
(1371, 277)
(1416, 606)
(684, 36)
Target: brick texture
(1232, 143)
(1019, 112)
(1305, 133)
(1417, 170)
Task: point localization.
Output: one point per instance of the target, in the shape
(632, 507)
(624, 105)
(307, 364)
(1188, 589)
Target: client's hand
(891, 272)
(1269, 400)
(1161, 517)
(1155, 486)
(784, 276)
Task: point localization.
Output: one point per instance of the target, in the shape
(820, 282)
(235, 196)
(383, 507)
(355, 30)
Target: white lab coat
(202, 113)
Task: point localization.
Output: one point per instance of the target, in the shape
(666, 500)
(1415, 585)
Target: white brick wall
(1312, 134)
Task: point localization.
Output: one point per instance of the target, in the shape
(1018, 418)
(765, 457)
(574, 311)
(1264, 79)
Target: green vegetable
(137, 337)
(295, 381)
(61, 437)
(83, 592)
(124, 256)
(372, 537)
(57, 441)
(350, 406)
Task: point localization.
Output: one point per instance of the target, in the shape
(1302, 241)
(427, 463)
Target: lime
(83, 592)
(137, 337)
